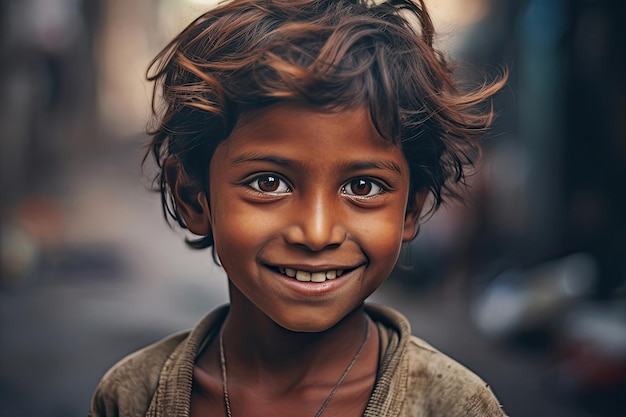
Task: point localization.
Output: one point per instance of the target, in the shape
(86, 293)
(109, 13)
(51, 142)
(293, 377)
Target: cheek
(381, 237)
(231, 234)
(239, 231)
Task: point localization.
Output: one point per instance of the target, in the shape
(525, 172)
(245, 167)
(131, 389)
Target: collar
(173, 394)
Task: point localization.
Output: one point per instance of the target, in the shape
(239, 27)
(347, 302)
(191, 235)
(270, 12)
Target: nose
(316, 224)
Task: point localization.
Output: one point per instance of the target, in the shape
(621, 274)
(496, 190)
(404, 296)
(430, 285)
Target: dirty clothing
(414, 379)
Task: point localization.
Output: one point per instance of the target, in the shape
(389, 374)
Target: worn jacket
(414, 379)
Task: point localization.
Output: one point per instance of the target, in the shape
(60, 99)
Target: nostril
(310, 247)
(316, 232)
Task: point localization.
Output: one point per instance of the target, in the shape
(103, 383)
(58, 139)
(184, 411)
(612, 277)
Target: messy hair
(332, 54)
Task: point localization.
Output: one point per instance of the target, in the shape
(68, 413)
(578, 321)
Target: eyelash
(254, 184)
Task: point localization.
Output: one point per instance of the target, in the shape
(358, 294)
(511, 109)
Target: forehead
(296, 128)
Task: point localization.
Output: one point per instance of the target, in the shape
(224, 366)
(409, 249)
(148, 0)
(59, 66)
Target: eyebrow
(354, 166)
(253, 157)
(379, 164)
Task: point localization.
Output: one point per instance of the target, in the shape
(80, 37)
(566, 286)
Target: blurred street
(119, 279)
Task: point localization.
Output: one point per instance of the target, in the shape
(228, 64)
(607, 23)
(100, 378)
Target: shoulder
(423, 380)
(130, 384)
(445, 387)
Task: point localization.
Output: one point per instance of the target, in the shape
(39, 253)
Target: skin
(293, 187)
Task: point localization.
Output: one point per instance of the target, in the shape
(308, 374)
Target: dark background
(525, 284)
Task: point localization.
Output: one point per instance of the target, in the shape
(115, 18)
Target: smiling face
(308, 211)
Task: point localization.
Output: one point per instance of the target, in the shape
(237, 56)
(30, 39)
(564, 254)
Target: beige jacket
(415, 380)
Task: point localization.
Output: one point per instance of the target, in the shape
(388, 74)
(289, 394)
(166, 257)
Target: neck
(283, 355)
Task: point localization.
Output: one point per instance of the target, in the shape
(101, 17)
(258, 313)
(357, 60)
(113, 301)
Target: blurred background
(526, 284)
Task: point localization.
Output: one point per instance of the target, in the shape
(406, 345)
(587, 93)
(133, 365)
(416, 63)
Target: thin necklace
(332, 392)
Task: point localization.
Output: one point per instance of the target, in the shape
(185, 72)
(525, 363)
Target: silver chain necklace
(332, 392)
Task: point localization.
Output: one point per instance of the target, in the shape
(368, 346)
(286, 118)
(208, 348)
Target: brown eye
(362, 187)
(270, 184)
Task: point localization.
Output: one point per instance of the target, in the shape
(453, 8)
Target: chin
(304, 323)
(312, 321)
(305, 326)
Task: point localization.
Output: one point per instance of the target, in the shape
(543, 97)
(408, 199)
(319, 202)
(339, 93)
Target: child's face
(297, 191)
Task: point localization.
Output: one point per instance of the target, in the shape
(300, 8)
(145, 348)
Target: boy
(299, 140)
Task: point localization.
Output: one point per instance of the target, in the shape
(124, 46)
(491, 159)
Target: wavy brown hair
(333, 54)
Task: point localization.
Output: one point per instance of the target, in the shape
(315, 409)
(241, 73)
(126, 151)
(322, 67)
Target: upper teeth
(311, 276)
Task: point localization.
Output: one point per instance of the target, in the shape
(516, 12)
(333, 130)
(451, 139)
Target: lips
(308, 276)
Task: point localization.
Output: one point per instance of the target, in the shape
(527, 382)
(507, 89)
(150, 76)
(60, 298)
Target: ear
(191, 201)
(412, 216)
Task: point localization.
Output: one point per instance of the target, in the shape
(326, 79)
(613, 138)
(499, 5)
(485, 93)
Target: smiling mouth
(306, 276)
